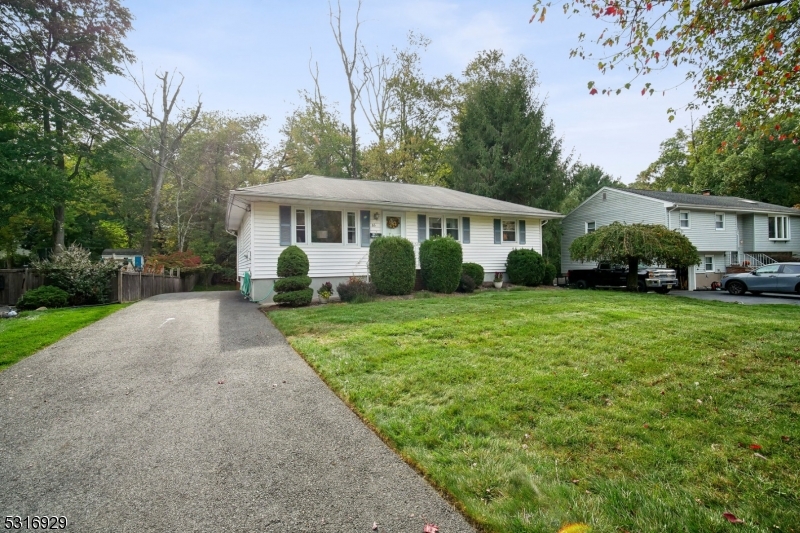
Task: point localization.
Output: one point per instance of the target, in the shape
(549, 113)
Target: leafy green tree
(582, 182)
(635, 244)
(54, 54)
(745, 52)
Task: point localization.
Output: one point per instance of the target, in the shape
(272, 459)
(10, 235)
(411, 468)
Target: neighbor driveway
(747, 299)
(190, 412)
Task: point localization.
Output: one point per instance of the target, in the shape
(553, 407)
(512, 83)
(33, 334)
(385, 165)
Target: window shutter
(522, 232)
(422, 228)
(285, 212)
(365, 215)
(498, 232)
(465, 230)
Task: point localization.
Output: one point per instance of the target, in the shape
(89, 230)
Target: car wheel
(737, 288)
(581, 284)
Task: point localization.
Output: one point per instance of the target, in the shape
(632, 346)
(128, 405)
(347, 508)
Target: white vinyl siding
(335, 260)
(762, 242)
(243, 246)
(703, 231)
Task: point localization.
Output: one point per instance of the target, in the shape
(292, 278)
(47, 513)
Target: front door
(393, 224)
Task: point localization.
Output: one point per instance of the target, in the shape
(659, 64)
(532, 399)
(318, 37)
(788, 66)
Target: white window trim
(723, 221)
(516, 230)
(705, 263)
(444, 224)
(586, 226)
(787, 227)
(309, 242)
(688, 219)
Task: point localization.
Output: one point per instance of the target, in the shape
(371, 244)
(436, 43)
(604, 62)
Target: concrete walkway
(190, 412)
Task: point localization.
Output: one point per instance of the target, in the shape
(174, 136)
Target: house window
(509, 231)
(683, 217)
(435, 229)
(735, 257)
(452, 227)
(326, 226)
(708, 262)
(779, 228)
(719, 220)
(351, 228)
(300, 226)
(604, 197)
(590, 227)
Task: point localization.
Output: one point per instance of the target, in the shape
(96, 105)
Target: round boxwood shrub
(467, 284)
(475, 271)
(525, 267)
(292, 262)
(295, 283)
(550, 274)
(44, 296)
(440, 260)
(295, 298)
(392, 266)
(293, 286)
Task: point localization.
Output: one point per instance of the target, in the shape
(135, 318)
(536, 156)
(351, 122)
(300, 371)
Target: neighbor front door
(393, 224)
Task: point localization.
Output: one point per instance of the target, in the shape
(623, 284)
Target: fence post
(119, 285)
(140, 285)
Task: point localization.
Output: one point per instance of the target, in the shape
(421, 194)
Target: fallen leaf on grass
(760, 456)
(430, 528)
(374, 526)
(755, 446)
(784, 438)
(575, 528)
(730, 517)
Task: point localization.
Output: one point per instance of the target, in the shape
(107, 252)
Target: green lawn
(33, 330)
(535, 409)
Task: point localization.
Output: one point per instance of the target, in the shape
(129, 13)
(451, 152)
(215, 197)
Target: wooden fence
(122, 286)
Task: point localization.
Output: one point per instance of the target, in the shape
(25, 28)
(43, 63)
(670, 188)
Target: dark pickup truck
(661, 280)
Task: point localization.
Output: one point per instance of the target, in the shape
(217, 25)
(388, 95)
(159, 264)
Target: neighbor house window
(719, 220)
(709, 263)
(452, 227)
(735, 258)
(351, 228)
(300, 225)
(590, 227)
(435, 227)
(683, 217)
(326, 226)
(509, 231)
(779, 228)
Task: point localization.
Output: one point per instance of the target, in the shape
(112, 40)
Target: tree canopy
(745, 52)
(634, 244)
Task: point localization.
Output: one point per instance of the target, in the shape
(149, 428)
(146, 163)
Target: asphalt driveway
(190, 412)
(746, 299)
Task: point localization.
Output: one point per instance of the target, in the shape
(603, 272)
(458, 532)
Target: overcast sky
(249, 56)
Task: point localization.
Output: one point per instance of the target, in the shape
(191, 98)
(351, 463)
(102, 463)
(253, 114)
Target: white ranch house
(728, 231)
(333, 220)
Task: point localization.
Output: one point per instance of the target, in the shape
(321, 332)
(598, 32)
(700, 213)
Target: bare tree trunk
(169, 140)
(633, 274)
(354, 85)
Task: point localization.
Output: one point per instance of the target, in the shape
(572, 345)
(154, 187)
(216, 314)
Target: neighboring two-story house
(726, 230)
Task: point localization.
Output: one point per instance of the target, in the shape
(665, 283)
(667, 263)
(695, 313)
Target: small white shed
(333, 220)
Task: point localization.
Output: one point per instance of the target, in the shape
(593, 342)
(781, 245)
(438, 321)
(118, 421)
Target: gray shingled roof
(381, 193)
(721, 202)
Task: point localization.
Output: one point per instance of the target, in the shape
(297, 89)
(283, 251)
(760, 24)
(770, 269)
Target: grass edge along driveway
(535, 409)
(32, 331)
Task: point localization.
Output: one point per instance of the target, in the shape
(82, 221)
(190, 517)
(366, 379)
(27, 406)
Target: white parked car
(777, 277)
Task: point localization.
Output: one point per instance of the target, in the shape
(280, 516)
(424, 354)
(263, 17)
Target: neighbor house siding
(266, 238)
(243, 247)
(617, 207)
(702, 230)
(761, 242)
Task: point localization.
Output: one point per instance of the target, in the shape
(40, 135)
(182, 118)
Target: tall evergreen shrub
(392, 266)
(292, 289)
(440, 260)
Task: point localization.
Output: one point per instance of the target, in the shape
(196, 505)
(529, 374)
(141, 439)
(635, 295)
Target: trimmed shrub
(356, 291)
(44, 296)
(72, 270)
(392, 266)
(292, 262)
(550, 274)
(525, 267)
(296, 283)
(467, 284)
(440, 260)
(475, 271)
(293, 286)
(295, 298)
